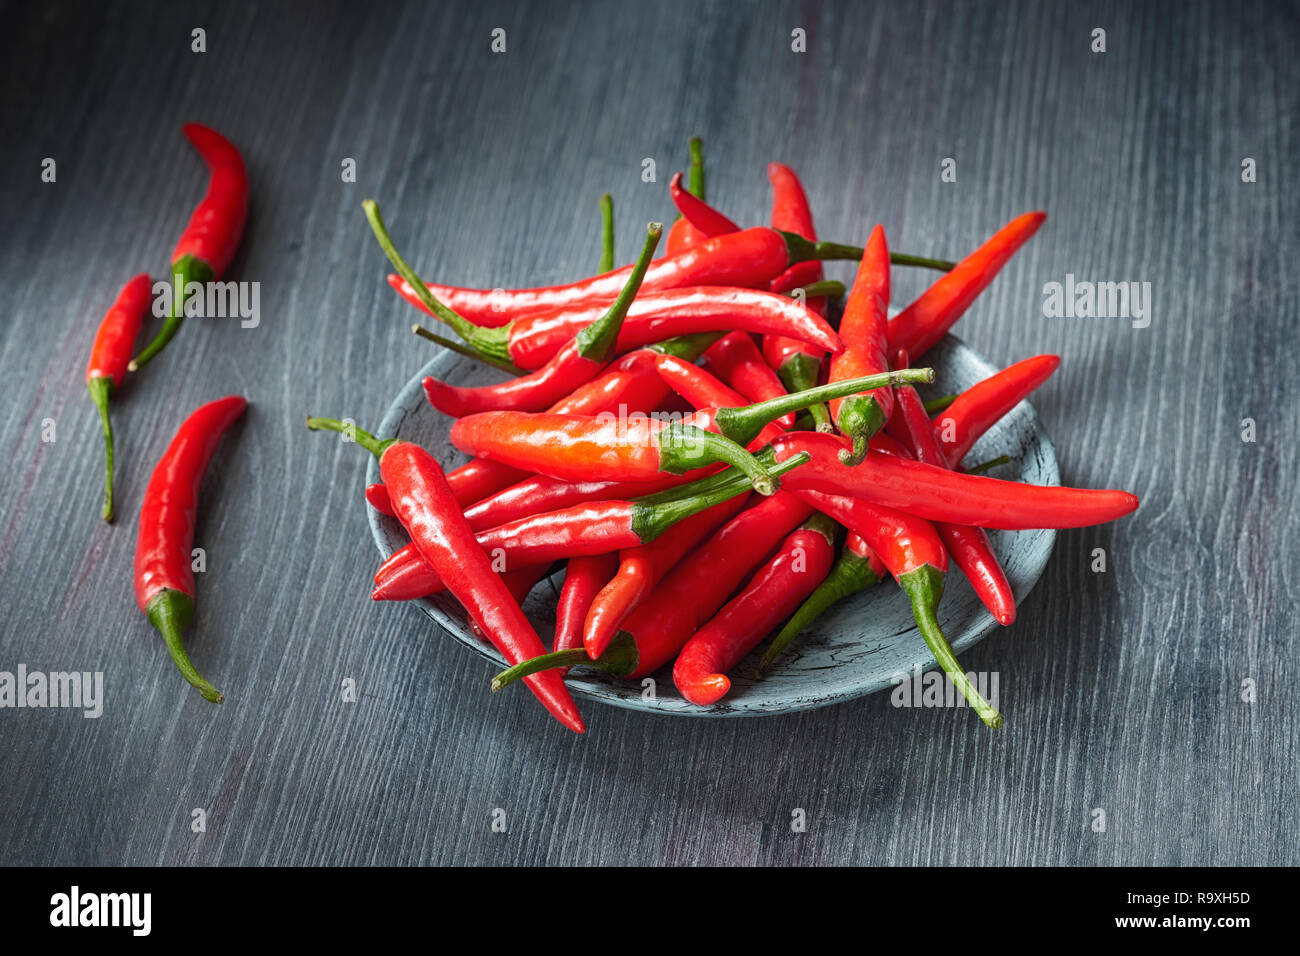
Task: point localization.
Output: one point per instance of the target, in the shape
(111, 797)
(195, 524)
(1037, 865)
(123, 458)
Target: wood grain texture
(1121, 690)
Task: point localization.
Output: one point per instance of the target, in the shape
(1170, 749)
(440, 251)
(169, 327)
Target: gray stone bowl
(856, 648)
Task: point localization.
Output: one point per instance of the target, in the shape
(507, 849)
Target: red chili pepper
(640, 569)
(682, 235)
(377, 496)
(968, 546)
(690, 595)
(706, 220)
(583, 579)
(703, 392)
(540, 493)
(798, 366)
(108, 360)
(520, 583)
(209, 241)
(915, 556)
(771, 595)
(164, 580)
(429, 512)
(940, 495)
(750, 258)
(595, 527)
(978, 408)
(857, 568)
(920, 326)
(866, 314)
(736, 360)
(577, 363)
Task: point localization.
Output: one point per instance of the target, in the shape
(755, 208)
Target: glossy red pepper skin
(736, 360)
(920, 326)
(750, 258)
(428, 510)
(163, 579)
(377, 498)
(708, 222)
(697, 587)
(940, 495)
(583, 579)
(108, 362)
(210, 239)
(540, 493)
(682, 235)
(703, 391)
(640, 569)
(969, 547)
(863, 332)
(772, 595)
(978, 408)
(533, 340)
(520, 583)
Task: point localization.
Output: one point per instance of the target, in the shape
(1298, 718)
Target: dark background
(1121, 690)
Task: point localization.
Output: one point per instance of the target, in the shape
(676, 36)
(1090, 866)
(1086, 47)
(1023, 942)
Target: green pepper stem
(189, 269)
(495, 343)
(170, 611)
(651, 519)
(800, 372)
(804, 250)
(936, 405)
(987, 465)
(100, 388)
(465, 350)
(596, 342)
(860, 417)
(743, 424)
(695, 174)
(689, 347)
(619, 659)
(830, 288)
(924, 587)
(606, 233)
(684, 448)
(369, 442)
(851, 573)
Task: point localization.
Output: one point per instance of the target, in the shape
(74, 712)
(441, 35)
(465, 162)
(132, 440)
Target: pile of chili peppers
(164, 579)
(710, 456)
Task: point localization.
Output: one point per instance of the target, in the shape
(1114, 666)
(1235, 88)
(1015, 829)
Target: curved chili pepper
(639, 570)
(577, 363)
(108, 360)
(736, 360)
(912, 551)
(164, 580)
(583, 579)
(209, 241)
(857, 568)
(920, 326)
(866, 313)
(635, 448)
(690, 594)
(772, 594)
(968, 546)
(941, 495)
(706, 220)
(978, 408)
(798, 366)
(540, 493)
(596, 527)
(750, 258)
(429, 512)
(606, 233)
(520, 583)
(682, 235)
(377, 497)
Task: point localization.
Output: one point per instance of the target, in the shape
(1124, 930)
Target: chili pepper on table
(706, 220)
(108, 360)
(797, 365)
(912, 551)
(862, 331)
(520, 583)
(968, 546)
(596, 527)
(575, 364)
(857, 568)
(750, 258)
(636, 448)
(941, 495)
(429, 512)
(978, 408)
(606, 232)
(682, 235)
(921, 325)
(209, 241)
(164, 580)
(639, 570)
(772, 594)
(583, 579)
(690, 594)
(736, 360)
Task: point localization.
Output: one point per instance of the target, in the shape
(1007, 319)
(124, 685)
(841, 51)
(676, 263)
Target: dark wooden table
(1123, 690)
